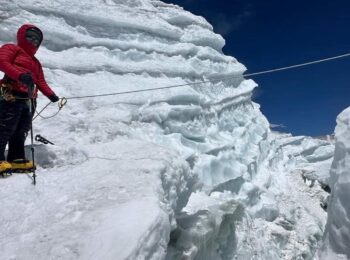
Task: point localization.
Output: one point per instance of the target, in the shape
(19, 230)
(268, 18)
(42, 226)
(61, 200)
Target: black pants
(15, 122)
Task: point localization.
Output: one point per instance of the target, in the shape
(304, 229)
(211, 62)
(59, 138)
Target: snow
(103, 196)
(190, 172)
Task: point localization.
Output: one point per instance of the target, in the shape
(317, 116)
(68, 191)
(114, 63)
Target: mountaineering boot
(5, 167)
(22, 166)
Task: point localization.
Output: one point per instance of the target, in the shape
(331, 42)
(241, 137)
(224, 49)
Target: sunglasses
(33, 37)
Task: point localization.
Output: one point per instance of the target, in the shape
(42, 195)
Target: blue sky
(273, 33)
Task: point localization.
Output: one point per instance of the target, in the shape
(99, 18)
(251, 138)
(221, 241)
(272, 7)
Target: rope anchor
(43, 140)
(61, 104)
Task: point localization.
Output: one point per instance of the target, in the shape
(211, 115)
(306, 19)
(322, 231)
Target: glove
(26, 79)
(53, 98)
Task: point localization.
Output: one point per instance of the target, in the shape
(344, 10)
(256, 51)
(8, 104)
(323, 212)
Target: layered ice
(337, 234)
(188, 172)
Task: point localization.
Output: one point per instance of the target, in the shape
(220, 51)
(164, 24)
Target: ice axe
(31, 108)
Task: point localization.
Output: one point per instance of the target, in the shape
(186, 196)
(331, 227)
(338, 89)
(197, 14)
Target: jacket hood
(23, 43)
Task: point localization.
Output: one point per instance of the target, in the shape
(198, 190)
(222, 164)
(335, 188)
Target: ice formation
(191, 172)
(337, 234)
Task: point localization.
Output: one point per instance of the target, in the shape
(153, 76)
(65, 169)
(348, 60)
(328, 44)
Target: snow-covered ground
(191, 172)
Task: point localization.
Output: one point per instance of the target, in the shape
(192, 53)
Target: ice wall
(239, 192)
(337, 234)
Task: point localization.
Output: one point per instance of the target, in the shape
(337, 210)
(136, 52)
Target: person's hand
(26, 79)
(53, 98)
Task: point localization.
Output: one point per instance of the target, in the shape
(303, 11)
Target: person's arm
(44, 87)
(8, 53)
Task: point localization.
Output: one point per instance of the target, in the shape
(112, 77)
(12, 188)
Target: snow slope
(100, 205)
(191, 172)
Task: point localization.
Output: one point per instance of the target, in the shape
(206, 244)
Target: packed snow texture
(190, 172)
(337, 234)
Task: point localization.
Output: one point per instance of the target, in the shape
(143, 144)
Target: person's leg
(16, 146)
(9, 117)
(17, 140)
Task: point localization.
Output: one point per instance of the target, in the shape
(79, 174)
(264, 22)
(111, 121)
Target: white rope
(297, 65)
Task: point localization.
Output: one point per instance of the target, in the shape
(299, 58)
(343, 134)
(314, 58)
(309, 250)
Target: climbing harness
(6, 93)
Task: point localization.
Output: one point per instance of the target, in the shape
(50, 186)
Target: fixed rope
(299, 65)
(63, 101)
(61, 104)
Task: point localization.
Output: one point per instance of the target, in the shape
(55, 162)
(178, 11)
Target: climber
(18, 92)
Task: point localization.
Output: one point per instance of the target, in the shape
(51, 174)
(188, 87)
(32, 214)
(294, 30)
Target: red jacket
(18, 59)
